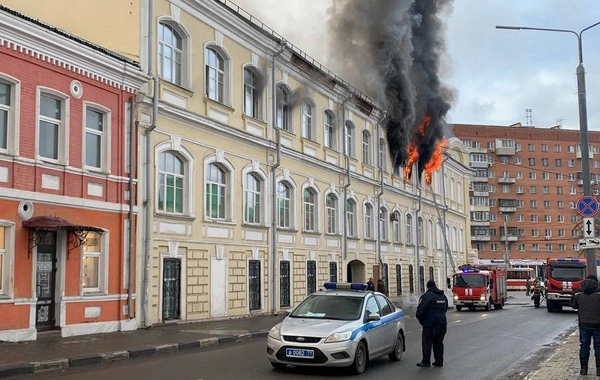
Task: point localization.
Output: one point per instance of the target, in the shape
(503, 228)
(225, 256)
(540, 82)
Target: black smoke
(394, 50)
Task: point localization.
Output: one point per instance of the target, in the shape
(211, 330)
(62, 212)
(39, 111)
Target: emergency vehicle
(479, 286)
(562, 277)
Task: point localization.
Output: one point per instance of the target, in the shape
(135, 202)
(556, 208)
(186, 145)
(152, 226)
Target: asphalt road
(479, 345)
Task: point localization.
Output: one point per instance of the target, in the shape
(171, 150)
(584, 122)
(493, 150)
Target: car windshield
(567, 273)
(329, 307)
(469, 280)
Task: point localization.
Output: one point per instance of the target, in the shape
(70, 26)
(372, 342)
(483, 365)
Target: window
(252, 91)
(351, 217)
(420, 232)
(411, 279)
(396, 231)
(309, 200)
(170, 51)
(366, 147)
(284, 284)
(284, 199)
(349, 139)
(382, 157)
(215, 75)
(311, 277)
(398, 279)
(307, 121)
(531, 162)
(368, 221)
(3, 259)
(544, 147)
(170, 183)
(329, 130)
(332, 212)
(6, 114)
(383, 225)
(216, 192)
(558, 162)
(333, 271)
(409, 237)
(557, 148)
(252, 201)
(92, 262)
(95, 127)
(283, 109)
(50, 126)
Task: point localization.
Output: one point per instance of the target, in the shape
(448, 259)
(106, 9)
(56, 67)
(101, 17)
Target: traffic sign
(589, 228)
(587, 206)
(593, 243)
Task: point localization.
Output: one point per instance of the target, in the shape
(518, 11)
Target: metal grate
(284, 284)
(333, 271)
(311, 277)
(254, 285)
(171, 289)
(398, 279)
(386, 276)
(422, 277)
(411, 279)
(431, 274)
(301, 339)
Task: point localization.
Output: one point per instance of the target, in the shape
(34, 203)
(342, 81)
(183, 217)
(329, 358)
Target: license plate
(297, 353)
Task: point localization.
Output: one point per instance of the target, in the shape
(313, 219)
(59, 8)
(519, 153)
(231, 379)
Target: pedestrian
(537, 293)
(371, 284)
(527, 286)
(431, 314)
(586, 300)
(381, 288)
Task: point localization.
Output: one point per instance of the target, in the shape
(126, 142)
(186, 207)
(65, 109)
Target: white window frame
(368, 220)
(103, 261)
(222, 193)
(13, 111)
(408, 228)
(258, 196)
(366, 147)
(329, 130)
(63, 125)
(7, 256)
(421, 231)
(176, 176)
(189, 170)
(351, 217)
(105, 136)
(252, 93)
(349, 138)
(290, 214)
(310, 209)
(226, 73)
(331, 214)
(382, 155)
(397, 229)
(163, 45)
(284, 118)
(383, 223)
(308, 125)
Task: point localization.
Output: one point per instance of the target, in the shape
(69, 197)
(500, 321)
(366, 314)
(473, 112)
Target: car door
(375, 333)
(389, 328)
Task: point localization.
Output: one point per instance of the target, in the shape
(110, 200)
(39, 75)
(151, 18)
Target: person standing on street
(370, 284)
(381, 286)
(586, 300)
(431, 314)
(527, 286)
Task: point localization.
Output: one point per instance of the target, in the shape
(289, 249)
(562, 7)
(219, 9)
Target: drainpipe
(148, 174)
(379, 164)
(446, 246)
(346, 156)
(274, 179)
(418, 242)
(132, 131)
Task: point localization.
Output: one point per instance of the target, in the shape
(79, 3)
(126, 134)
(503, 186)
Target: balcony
(505, 151)
(481, 179)
(506, 180)
(477, 150)
(509, 238)
(479, 164)
(481, 238)
(480, 223)
(507, 205)
(578, 153)
(481, 193)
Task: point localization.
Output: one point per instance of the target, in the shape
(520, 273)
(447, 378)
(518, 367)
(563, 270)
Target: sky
(497, 74)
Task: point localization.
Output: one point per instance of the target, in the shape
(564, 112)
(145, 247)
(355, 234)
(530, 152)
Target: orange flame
(413, 153)
(436, 161)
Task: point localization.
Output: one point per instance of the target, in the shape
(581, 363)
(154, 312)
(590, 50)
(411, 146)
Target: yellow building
(224, 189)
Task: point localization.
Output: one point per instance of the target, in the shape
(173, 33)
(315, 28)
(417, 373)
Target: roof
(70, 36)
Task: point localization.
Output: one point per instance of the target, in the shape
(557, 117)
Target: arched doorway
(356, 272)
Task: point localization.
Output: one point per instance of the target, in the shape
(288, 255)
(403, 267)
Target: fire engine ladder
(441, 220)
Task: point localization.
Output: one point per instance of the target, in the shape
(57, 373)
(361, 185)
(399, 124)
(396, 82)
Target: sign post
(587, 206)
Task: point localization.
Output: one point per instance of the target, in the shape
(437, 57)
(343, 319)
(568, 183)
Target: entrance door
(171, 300)
(45, 283)
(254, 285)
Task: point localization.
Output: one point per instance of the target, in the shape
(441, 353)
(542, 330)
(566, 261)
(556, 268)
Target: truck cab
(563, 276)
(477, 288)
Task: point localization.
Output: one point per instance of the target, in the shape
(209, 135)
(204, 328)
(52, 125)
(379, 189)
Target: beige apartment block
(212, 146)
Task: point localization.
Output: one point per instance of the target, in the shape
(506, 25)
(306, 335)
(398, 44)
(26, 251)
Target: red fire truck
(562, 277)
(478, 286)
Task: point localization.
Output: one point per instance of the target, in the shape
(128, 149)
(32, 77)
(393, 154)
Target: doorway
(45, 281)
(171, 302)
(356, 272)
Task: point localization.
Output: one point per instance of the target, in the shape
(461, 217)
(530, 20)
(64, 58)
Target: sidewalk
(61, 353)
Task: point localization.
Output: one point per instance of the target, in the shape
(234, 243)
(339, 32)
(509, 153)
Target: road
(489, 341)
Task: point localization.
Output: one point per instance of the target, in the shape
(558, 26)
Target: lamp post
(590, 254)
(505, 242)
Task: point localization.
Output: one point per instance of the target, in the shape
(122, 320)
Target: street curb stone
(115, 356)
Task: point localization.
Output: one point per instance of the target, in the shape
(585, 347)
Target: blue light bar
(348, 286)
(573, 260)
(470, 270)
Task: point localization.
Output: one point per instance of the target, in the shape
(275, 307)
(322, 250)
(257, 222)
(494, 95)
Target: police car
(343, 326)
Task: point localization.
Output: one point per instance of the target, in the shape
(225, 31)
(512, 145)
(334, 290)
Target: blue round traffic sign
(587, 206)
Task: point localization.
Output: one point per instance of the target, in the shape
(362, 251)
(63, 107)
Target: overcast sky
(497, 73)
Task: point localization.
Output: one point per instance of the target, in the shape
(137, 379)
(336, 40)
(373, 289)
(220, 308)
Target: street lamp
(590, 254)
(505, 241)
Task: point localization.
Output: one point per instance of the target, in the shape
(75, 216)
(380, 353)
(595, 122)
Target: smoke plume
(393, 49)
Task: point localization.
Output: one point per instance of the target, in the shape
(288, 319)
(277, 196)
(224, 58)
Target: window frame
(103, 262)
(409, 229)
(176, 31)
(256, 91)
(290, 202)
(13, 115)
(331, 214)
(350, 138)
(366, 147)
(351, 218)
(257, 195)
(310, 209)
(63, 125)
(383, 224)
(368, 225)
(105, 137)
(283, 108)
(183, 176)
(226, 175)
(307, 120)
(222, 74)
(7, 255)
(329, 130)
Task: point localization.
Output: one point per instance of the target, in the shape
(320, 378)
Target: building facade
(524, 191)
(64, 183)
(264, 175)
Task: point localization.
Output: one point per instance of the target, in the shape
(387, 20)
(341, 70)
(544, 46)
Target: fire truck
(562, 277)
(478, 286)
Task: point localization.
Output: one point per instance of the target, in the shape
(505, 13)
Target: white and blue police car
(343, 326)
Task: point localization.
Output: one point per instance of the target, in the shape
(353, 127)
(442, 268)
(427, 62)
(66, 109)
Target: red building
(65, 164)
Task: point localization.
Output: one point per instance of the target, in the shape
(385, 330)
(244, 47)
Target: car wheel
(360, 359)
(279, 366)
(396, 355)
(458, 308)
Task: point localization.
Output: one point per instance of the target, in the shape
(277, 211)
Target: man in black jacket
(586, 300)
(431, 314)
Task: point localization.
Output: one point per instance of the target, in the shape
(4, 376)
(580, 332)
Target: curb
(115, 356)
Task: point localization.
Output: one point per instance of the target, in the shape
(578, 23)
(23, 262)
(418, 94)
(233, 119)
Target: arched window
(383, 225)
(409, 230)
(332, 213)
(329, 130)
(283, 109)
(351, 217)
(307, 121)
(349, 139)
(215, 75)
(397, 229)
(310, 210)
(216, 192)
(430, 237)
(382, 157)
(170, 54)
(368, 221)
(252, 199)
(170, 183)
(459, 192)
(252, 93)
(366, 147)
(420, 232)
(284, 199)
(452, 189)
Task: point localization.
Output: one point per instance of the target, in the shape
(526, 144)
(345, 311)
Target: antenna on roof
(529, 117)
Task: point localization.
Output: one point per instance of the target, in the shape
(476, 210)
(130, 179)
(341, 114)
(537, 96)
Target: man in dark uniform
(431, 314)
(586, 300)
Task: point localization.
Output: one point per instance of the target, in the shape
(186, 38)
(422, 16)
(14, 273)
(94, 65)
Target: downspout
(274, 180)
(132, 132)
(148, 174)
(418, 242)
(446, 247)
(346, 156)
(379, 164)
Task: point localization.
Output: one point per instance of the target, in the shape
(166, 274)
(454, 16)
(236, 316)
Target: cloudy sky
(496, 73)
